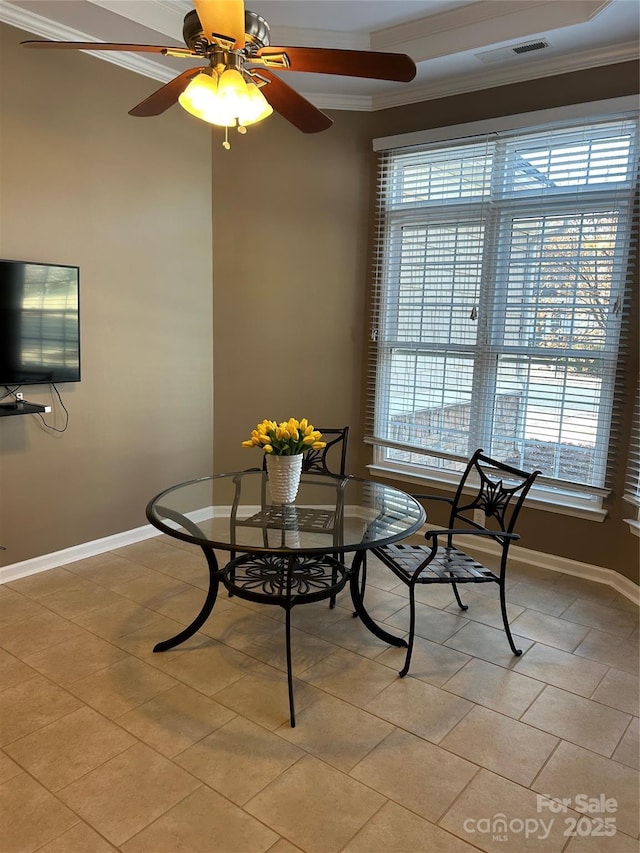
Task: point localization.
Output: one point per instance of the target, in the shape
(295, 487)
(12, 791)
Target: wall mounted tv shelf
(20, 408)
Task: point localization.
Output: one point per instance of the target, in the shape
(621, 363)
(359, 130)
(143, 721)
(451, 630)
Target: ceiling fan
(237, 88)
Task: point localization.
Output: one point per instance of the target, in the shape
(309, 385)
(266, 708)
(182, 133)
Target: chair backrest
(331, 459)
(495, 488)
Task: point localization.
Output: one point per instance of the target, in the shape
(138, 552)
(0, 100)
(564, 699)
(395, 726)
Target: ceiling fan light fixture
(232, 93)
(200, 98)
(225, 98)
(235, 43)
(258, 107)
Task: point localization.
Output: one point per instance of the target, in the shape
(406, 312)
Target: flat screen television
(39, 323)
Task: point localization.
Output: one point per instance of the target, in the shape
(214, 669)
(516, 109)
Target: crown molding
(320, 38)
(354, 103)
(38, 25)
(17, 17)
(527, 67)
(532, 70)
(44, 27)
(163, 16)
(480, 24)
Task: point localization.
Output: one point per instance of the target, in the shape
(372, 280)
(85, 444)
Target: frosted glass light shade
(258, 106)
(225, 100)
(232, 93)
(201, 99)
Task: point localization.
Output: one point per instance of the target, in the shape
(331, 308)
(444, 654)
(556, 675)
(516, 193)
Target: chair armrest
(237, 480)
(237, 477)
(459, 531)
(434, 498)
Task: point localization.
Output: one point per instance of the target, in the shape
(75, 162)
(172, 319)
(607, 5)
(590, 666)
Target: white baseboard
(91, 549)
(619, 582)
(75, 553)
(554, 563)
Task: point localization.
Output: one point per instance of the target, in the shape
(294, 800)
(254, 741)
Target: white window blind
(499, 304)
(632, 492)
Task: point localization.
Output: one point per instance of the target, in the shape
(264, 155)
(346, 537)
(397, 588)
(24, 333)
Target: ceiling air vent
(533, 45)
(503, 53)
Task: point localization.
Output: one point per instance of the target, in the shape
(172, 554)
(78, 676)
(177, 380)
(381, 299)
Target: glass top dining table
(285, 554)
(330, 514)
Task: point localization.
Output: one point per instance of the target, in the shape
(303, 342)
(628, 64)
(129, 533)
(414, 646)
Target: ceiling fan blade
(350, 63)
(293, 106)
(96, 45)
(222, 17)
(166, 96)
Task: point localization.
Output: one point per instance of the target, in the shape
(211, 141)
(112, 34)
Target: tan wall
(129, 201)
(611, 543)
(290, 268)
(290, 284)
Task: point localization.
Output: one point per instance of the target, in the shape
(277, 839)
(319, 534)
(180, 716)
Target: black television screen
(39, 323)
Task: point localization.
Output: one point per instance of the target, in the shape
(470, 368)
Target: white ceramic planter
(284, 477)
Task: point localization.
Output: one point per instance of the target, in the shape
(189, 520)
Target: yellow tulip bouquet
(288, 438)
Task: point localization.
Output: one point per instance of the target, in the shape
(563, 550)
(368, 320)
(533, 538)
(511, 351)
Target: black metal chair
(330, 460)
(496, 490)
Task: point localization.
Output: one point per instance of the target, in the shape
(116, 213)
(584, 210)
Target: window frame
(580, 501)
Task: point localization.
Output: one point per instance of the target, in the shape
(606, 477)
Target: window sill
(634, 526)
(449, 485)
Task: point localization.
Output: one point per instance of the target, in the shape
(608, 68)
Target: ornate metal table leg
(207, 607)
(286, 580)
(292, 711)
(360, 609)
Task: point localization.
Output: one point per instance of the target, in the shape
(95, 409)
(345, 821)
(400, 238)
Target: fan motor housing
(257, 32)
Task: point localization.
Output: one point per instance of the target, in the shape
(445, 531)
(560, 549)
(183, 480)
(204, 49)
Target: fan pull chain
(239, 127)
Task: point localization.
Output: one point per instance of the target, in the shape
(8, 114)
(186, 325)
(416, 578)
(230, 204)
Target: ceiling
(457, 45)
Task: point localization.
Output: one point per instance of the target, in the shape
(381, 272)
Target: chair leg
(458, 599)
(334, 579)
(503, 608)
(412, 631)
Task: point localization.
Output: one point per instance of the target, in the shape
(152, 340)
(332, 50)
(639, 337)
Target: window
(499, 302)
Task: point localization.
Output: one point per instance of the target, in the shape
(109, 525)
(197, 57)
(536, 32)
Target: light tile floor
(106, 746)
